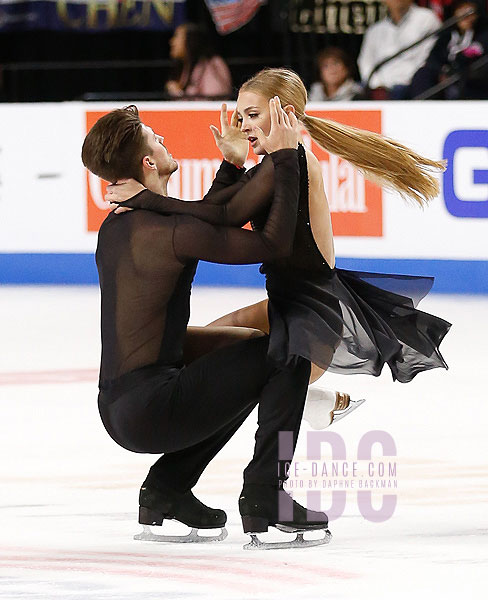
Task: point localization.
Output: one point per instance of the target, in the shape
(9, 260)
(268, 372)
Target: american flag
(229, 15)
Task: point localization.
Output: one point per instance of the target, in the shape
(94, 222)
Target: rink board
(51, 207)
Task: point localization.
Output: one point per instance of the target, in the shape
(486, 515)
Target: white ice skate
(323, 407)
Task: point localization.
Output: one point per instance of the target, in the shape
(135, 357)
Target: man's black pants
(189, 414)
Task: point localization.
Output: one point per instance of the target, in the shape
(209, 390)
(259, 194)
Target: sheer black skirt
(353, 322)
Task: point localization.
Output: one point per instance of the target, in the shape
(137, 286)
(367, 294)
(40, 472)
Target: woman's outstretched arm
(251, 198)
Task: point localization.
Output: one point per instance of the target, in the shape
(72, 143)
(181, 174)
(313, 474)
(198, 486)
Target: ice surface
(68, 500)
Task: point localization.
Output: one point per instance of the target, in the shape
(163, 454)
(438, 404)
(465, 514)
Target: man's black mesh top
(146, 263)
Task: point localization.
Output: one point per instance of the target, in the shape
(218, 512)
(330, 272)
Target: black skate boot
(260, 506)
(156, 504)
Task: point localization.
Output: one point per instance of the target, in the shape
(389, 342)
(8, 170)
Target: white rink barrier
(51, 209)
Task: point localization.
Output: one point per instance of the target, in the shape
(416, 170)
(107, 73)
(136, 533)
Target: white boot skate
(323, 407)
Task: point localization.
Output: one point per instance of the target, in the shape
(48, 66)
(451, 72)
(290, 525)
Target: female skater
(314, 307)
(345, 321)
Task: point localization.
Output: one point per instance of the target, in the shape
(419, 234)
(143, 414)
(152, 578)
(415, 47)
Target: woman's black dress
(368, 319)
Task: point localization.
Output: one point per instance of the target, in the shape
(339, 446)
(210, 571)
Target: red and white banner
(229, 15)
(50, 204)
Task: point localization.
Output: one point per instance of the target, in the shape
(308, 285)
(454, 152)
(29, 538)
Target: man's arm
(367, 59)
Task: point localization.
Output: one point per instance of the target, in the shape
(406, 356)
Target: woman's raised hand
(284, 131)
(230, 140)
(121, 191)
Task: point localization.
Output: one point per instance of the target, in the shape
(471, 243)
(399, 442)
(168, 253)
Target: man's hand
(231, 141)
(121, 191)
(284, 131)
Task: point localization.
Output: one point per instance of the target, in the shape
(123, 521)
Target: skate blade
(340, 414)
(298, 542)
(192, 538)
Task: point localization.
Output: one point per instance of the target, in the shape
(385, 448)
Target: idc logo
(466, 177)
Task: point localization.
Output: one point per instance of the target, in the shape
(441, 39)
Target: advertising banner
(91, 15)
(334, 16)
(355, 204)
(52, 206)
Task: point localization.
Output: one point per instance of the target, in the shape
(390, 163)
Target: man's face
(158, 153)
(400, 5)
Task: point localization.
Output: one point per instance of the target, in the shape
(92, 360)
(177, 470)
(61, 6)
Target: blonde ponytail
(380, 159)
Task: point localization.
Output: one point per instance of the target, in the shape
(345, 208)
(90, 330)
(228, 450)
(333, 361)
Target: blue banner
(92, 15)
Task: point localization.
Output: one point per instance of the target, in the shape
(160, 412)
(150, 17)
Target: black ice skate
(156, 505)
(264, 505)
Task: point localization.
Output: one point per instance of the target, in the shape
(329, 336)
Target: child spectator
(453, 53)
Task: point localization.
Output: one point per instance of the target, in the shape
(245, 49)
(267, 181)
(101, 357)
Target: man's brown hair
(115, 146)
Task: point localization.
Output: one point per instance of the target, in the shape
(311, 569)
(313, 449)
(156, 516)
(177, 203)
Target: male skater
(149, 400)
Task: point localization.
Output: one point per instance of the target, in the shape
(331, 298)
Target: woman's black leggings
(189, 414)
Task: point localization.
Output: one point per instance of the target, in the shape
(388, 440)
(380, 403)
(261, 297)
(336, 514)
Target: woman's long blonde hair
(379, 158)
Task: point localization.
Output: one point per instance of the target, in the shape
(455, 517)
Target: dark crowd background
(40, 65)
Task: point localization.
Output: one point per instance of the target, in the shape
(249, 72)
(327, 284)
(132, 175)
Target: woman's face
(253, 111)
(177, 44)
(468, 22)
(333, 71)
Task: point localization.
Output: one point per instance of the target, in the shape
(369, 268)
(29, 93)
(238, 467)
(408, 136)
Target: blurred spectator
(443, 8)
(200, 73)
(336, 77)
(453, 53)
(405, 24)
(440, 7)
